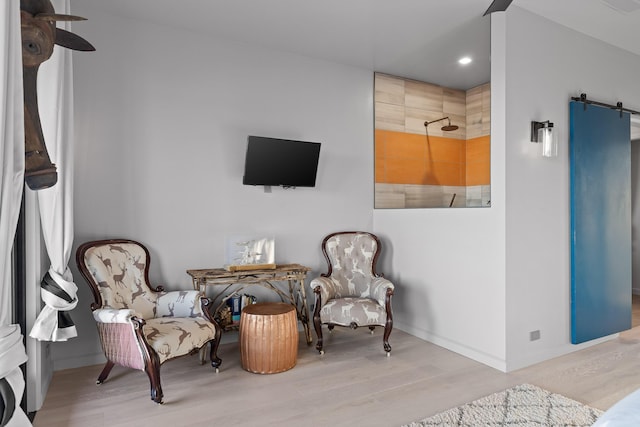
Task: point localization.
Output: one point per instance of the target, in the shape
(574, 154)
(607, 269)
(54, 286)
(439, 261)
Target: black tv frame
(280, 162)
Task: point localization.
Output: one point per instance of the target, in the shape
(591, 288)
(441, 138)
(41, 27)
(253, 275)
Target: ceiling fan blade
(69, 40)
(498, 6)
(58, 17)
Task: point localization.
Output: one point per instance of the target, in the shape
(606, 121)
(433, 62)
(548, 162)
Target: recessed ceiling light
(464, 60)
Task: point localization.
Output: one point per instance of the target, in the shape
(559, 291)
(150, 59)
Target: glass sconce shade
(543, 133)
(549, 143)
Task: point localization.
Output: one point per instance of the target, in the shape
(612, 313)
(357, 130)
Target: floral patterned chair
(351, 293)
(142, 327)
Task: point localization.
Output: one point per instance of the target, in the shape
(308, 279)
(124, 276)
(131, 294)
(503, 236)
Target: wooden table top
(222, 273)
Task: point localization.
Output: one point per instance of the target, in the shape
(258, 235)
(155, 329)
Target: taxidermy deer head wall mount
(39, 34)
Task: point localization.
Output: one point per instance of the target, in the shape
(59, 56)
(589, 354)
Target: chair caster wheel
(388, 354)
(321, 352)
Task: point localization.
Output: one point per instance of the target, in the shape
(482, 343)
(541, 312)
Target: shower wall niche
(419, 167)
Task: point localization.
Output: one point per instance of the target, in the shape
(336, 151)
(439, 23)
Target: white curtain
(55, 99)
(12, 352)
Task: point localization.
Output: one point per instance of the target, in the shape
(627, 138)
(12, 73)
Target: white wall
(448, 264)
(162, 118)
(546, 65)
(479, 281)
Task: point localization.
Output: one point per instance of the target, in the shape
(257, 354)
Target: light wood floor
(352, 384)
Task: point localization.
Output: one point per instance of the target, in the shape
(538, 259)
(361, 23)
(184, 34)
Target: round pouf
(268, 337)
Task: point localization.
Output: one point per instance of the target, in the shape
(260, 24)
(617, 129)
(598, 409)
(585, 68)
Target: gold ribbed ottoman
(268, 337)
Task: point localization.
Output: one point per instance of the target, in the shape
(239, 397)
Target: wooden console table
(294, 274)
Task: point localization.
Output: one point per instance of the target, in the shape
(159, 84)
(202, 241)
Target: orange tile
(448, 173)
(445, 149)
(479, 173)
(478, 157)
(403, 158)
(405, 171)
(379, 171)
(379, 142)
(479, 149)
(404, 145)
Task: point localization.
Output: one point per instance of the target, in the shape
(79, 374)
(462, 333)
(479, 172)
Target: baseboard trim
(551, 353)
(77, 362)
(493, 361)
(472, 353)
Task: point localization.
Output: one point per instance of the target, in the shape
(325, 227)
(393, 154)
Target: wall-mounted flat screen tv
(281, 162)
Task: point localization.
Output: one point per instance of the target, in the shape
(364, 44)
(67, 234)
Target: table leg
(294, 278)
(304, 317)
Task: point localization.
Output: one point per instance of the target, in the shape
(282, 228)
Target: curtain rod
(618, 106)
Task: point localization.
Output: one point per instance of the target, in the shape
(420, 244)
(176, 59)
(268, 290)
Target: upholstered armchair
(140, 326)
(351, 293)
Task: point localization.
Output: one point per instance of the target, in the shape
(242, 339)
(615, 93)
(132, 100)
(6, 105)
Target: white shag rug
(524, 405)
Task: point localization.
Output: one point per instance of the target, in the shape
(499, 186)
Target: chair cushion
(343, 311)
(179, 304)
(352, 256)
(119, 271)
(176, 336)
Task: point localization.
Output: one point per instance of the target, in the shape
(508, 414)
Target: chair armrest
(379, 288)
(114, 315)
(327, 288)
(179, 304)
(121, 336)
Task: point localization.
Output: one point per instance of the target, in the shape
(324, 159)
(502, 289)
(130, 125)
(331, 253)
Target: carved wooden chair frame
(150, 357)
(317, 322)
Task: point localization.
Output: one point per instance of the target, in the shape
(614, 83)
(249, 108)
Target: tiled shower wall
(415, 169)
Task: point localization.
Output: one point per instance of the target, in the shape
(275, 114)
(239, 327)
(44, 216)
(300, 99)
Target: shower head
(446, 128)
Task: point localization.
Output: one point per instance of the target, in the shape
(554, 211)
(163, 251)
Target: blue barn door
(600, 156)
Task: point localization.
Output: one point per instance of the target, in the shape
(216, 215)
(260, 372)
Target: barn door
(600, 156)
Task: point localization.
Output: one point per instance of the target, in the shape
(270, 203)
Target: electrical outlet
(534, 335)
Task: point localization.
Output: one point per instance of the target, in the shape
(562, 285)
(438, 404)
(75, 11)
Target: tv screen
(289, 163)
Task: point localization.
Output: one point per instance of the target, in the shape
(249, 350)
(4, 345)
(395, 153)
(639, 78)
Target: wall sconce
(543, 132)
